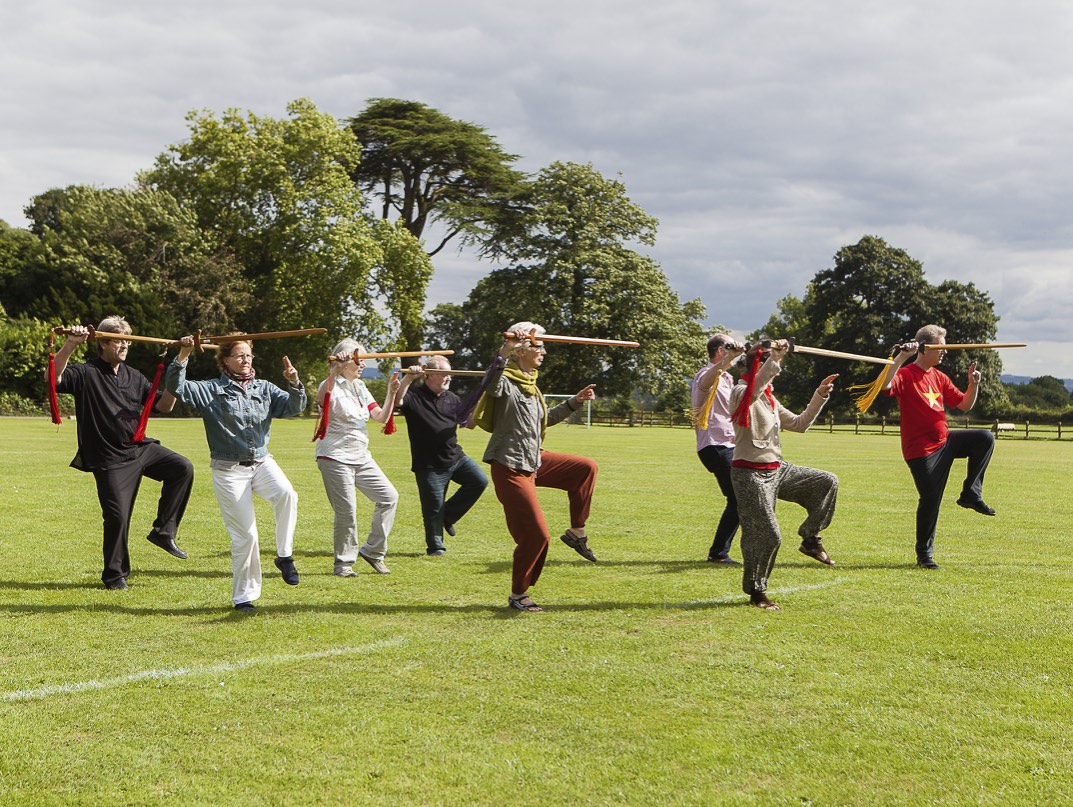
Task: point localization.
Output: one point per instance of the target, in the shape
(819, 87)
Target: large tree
(92, 252)
(574, 272)
(402, 275)
(278, 191)
(874, 297)
(427, 167)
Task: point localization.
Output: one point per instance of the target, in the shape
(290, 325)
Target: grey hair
(526, 327)
(113, 324)
(347, 346)
(434, 362)
(930, 334)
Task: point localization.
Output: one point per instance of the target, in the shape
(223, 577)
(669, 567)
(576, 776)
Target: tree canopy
(93, 252)
(425, 167)
(278, 192)
(874, 297)
(575, 273)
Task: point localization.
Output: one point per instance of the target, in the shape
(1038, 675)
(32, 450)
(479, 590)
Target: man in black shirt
(109, 397)
(430, 409)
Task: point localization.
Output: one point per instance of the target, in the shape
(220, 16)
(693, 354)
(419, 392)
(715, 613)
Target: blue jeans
(717, 460)
(432, 488)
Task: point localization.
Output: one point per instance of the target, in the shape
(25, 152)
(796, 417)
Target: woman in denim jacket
(237, 409)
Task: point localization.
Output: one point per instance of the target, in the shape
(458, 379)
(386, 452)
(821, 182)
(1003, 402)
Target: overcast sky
(763, 135)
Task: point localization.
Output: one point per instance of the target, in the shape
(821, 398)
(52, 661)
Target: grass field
(648, 679)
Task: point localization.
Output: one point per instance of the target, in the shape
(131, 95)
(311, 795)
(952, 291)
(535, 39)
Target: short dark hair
(716, 342)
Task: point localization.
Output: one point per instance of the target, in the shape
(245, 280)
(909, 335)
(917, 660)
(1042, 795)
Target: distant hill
(1024, 379)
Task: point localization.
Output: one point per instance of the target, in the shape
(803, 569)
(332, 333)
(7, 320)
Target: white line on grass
(778, 592)
(181, 672)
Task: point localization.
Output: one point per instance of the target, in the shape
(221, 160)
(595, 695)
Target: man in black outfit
(431, 410)
(109, 397)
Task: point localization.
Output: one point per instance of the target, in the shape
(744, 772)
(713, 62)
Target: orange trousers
(516, 491)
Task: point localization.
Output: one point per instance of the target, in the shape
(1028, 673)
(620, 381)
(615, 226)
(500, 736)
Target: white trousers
(235, 488)
(340, 481)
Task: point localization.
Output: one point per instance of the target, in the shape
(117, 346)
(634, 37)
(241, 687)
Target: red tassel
(322, 424)
(741, 414)
(143, 421)
(53, 401)
(389, 427)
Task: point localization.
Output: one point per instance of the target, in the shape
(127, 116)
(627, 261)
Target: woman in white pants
(345, 462)
(237, 409)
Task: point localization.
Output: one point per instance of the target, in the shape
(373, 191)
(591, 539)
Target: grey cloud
(763, 136)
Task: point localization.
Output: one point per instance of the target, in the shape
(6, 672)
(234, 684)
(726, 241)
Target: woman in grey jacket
(760, 476)
(237, 409)
(513, 409)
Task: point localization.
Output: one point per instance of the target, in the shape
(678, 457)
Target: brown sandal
(813, 547)
(761, 601)
(523, 603)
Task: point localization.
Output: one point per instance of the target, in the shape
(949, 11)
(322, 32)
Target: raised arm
(902, 354)
(381, 413)
(725, 357)
(77, 336)
(415, 371)
(971, 391)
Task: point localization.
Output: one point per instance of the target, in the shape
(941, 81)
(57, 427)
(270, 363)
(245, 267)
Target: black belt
(249, 463)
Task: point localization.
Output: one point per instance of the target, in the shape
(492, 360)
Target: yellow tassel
(699, 415)
(871, 391)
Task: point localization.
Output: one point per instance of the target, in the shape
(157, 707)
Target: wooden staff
(971, 347)
(575, 340)
(399, 354)
(200, 340)
(126, 337)
(441, 371)
(834, 354)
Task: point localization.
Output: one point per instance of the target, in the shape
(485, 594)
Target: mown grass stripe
(183, 672)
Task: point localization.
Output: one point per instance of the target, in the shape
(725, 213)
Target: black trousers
(931, 472)
(117, 489)
(717, 460)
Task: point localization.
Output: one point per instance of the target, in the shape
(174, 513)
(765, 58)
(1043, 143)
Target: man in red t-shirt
(929, 448)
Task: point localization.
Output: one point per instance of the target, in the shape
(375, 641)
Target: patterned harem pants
(756, 492)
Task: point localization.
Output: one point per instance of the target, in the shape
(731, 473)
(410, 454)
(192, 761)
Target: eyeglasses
(241, 356)
(538, 348)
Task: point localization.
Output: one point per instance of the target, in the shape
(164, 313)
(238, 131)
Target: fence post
(857, 424)
(1026, 429)
(883, 425)
(1059, 428)
(831, 423)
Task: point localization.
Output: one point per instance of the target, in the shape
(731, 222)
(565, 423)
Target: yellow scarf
(484, 416)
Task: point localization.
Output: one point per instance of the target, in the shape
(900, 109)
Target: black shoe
(167, 544)
(928, 563)
(977, 505)
(579, 545)
(286, 568)
(449, 529)
(117, 585)
(435, 553)
(245, 606)
(726, 560)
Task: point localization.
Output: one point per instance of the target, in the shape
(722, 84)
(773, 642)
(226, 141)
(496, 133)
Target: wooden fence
(882, 426)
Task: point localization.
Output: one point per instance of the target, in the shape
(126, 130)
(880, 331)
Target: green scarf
(484, 416)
